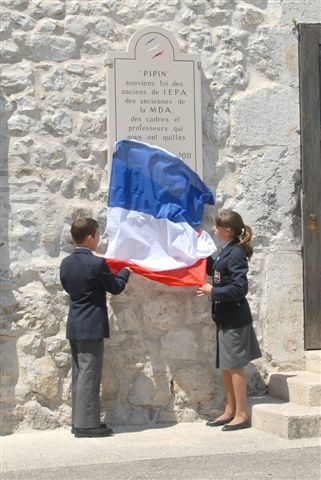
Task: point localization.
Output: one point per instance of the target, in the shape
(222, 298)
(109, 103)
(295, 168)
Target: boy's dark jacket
(87, 278)
(230, 308)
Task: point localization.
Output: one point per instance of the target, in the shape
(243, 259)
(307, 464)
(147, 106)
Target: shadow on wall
(210, 150)
(9, 362)
(256, 384)
(9, 379)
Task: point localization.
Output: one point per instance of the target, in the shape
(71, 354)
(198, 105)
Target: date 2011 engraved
(185, 155)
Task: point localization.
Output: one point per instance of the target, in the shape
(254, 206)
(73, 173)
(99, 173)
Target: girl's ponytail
(245, 243)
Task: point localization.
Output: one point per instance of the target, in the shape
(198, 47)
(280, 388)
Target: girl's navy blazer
(87, 278)
(230, 308)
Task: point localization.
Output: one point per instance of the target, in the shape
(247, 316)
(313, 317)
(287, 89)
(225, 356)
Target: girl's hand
(205, 289)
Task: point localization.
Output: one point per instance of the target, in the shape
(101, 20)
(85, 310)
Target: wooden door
(310, 105)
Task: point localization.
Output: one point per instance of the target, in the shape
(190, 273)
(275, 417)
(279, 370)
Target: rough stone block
(303, 388)
(52, 47)
(287, 420)
(250, 126)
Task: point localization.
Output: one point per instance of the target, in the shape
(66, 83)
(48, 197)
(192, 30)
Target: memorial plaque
(154, 96)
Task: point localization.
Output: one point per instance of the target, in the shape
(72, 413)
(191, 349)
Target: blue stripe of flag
(151, 180)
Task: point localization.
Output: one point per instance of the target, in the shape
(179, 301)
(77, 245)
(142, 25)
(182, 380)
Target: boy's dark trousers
(87, 362)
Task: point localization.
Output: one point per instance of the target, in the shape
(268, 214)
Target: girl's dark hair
(233, 220)
(81, 227)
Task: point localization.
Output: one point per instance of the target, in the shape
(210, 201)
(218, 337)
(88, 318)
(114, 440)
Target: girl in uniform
(237, 344)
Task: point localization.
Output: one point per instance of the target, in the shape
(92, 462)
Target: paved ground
(188, 451)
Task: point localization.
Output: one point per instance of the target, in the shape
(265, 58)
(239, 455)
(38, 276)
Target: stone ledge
(287, 420)
(303, 388)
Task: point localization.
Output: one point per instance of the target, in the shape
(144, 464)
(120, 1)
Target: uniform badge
(217, 277)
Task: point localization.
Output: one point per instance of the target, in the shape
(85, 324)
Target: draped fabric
(155, 203)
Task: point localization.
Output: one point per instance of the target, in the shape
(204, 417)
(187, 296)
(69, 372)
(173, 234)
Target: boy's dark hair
(81, 227)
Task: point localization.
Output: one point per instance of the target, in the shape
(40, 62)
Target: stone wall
(159, 361)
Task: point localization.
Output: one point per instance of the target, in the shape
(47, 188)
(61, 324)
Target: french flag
(155, 204)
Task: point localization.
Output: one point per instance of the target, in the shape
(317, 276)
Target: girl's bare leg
(230, 403)
(239, 387)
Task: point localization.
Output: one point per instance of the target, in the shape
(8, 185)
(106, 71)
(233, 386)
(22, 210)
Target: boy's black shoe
(103, 425)
(102, 431)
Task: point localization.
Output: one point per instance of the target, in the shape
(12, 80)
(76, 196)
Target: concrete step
(285, 419)
(303, 388)
(313, 361)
